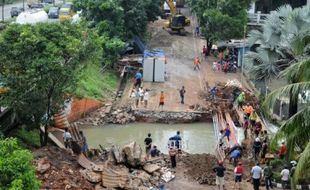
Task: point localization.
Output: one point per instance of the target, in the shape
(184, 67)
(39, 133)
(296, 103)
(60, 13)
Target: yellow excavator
(177, 21)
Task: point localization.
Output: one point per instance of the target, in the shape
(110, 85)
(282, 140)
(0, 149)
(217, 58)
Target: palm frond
(285, 91)
(295, 131)
(299, 71)
(302, 172)
(255, 37)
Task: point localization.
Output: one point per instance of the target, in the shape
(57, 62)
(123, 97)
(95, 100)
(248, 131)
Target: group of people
(141, 95)
(68, 141)
(174, 147)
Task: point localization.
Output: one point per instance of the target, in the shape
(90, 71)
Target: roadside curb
(302, 187)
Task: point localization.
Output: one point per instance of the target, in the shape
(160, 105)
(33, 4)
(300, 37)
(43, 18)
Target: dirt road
(180, 52)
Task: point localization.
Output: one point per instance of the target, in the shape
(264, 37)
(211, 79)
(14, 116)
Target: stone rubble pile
(167, 117)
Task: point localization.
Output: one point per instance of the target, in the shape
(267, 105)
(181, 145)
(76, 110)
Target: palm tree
(296, 130)
(284, 52)
(283, 41)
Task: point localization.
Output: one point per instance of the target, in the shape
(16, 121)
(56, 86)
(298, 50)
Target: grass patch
(28, 137)
(94, 84)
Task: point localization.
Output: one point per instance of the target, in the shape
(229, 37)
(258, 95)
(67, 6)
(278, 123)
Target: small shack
(154, 65)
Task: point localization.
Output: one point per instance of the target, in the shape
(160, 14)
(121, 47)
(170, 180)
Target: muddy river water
(196, 137)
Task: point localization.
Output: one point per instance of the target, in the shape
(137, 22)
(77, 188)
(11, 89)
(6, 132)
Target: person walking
(256, 172)
(148, 144)
(264, 151)
(285, 177)
(161, 101)
(227, 131)
(182, 93)
(196, 63)
(146, 97)
(267, 173)
(172, 154)
(204, 51)
(257, 145)
(238, 175)
(138, 79)
(220, 172)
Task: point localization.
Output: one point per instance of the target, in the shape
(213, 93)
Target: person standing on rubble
(241, 99)
(84, 144)
(227, 132)
(148, 144)
(182, 94)
(173, 154)
(256, 172)
(67, 137)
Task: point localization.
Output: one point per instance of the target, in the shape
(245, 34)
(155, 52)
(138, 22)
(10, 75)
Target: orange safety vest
(196, 62)
(248, 109)
(162, 98)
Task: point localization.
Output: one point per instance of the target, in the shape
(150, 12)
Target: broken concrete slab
(151, 168)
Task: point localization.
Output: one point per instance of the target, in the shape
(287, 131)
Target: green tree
(16, 169)
(220, 20)
(39, 63)
(283, 52)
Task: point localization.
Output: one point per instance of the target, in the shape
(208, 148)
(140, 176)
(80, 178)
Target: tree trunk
(293, 105)
(209, 46)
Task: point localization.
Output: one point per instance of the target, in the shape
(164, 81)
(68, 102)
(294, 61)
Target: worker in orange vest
(161, 100)
(196, 63)
(248, 109)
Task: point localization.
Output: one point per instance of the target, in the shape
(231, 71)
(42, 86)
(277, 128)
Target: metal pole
(23, 5)
(243, 52)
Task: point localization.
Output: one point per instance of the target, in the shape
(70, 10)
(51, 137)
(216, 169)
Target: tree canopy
(16, 169)
(39, 63)
(221, 20)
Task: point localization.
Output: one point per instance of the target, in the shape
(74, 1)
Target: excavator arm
(172, 7)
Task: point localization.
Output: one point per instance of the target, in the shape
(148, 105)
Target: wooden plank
(54, 138)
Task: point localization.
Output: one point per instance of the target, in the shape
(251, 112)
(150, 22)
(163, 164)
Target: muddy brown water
(196, 137)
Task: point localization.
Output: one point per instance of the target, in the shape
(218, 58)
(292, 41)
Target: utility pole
(243, 52)
(3, 1)
(23, 5)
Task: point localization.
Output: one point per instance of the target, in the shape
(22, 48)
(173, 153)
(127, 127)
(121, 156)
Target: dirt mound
(57, 169)
(159, 37)
(199, 168)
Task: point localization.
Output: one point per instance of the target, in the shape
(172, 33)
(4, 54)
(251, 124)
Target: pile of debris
(121, 116)
(125, 168)
(199, 167)
(58, 169)
(105, 114)
(171, 117)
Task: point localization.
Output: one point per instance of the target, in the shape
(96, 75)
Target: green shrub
(277, 163)
(277, 176)
(29, 137)
(16, 169)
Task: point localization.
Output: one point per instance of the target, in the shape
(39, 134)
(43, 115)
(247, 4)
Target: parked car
(37, 6)
(48, 1)
(15, 11)
(53, 12)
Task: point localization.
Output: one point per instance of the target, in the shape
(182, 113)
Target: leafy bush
(29, 137)
(277, 163)
(16, 169)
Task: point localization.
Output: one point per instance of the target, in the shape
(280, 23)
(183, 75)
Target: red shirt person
(282, 151)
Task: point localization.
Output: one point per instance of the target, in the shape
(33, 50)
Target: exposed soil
(63, 172)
